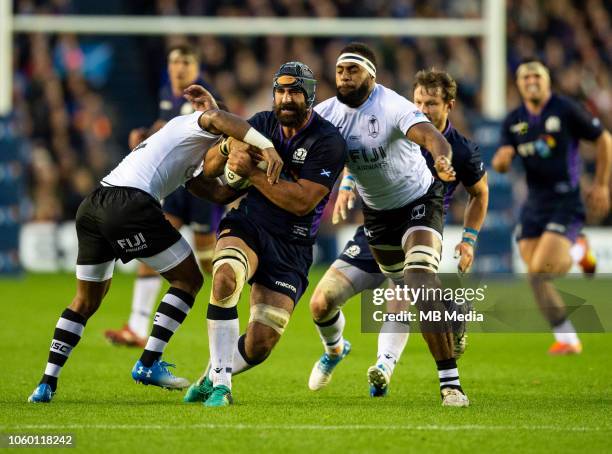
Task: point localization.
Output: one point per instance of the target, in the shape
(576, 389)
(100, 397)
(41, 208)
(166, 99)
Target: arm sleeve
(582, 123)
(325, 162)
(470, 167)
(258, 121)
(505, 136)
(407, 115)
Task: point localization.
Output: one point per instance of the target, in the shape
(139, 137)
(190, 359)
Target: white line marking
(314, 427)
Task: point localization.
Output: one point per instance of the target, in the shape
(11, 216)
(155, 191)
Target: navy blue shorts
(560, 213)
(202, 216)
(283, 266)
(357, 253)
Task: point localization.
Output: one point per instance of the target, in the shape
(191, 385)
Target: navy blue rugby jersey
(548, 143)
(466, 161)
(316, 153)
(171, 106)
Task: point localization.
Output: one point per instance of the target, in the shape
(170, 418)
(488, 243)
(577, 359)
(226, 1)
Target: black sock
(66, 336)
(172, 310)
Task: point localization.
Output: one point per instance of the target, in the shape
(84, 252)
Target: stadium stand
(77, 121)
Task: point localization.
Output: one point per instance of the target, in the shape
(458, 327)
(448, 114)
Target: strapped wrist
(257, 139)
(348, 183)
(224, 147)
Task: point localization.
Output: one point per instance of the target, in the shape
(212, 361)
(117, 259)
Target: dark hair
(530, 60)
(360, 49)
(432, 79)
(184, 49)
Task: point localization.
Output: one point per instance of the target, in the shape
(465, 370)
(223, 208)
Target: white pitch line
(431, 427)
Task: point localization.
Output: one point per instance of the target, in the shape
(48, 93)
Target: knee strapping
(237, 260)
(273, 317)
(205, 254)
(423, 258)
(394, 272)
(336, 291)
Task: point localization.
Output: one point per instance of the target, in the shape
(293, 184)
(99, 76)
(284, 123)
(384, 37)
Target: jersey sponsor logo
(164, 104)
(418, 212)
(542, 147)
(300, 230)
(519, 128)
(378, 165)
(352, 251)
(299, 156)
(552, 124)
(373, 155)
(373, 127)
(134, 243)
(286, 285)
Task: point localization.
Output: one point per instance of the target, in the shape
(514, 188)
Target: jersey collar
(448, 128)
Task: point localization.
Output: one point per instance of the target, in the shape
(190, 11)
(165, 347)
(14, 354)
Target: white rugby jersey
(389, 169)
(165, 160)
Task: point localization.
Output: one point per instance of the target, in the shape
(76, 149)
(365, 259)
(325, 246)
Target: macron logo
(286, 285)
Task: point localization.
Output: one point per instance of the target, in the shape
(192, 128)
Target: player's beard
(295, 118)
(355, 97)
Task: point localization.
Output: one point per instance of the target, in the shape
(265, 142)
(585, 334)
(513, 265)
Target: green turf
(522, 400)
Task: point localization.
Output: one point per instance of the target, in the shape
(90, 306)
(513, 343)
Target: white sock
(331, 333)
(222, 340)
(566, 333)
(143, 300)
(392, 340)
(577, 252)
(239, 365)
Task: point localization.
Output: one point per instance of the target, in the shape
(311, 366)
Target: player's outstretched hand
(598, 200)
(240, 162)
(465, 253)
(444, 168)
(199, 98)
(275, 164)
(344, 203)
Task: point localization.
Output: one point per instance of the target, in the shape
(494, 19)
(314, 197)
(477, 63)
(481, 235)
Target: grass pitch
(522, 400)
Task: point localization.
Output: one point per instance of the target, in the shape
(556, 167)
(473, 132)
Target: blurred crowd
(78, 132)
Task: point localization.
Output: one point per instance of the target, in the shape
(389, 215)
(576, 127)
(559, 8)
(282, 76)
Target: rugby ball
(235, 181)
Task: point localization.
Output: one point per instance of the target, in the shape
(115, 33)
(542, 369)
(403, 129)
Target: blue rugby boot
(42, 394)
(322, 371)
(378, 379)
(158, 375)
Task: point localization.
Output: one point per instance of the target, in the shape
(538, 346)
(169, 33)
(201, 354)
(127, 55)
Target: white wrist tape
(255, 138)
